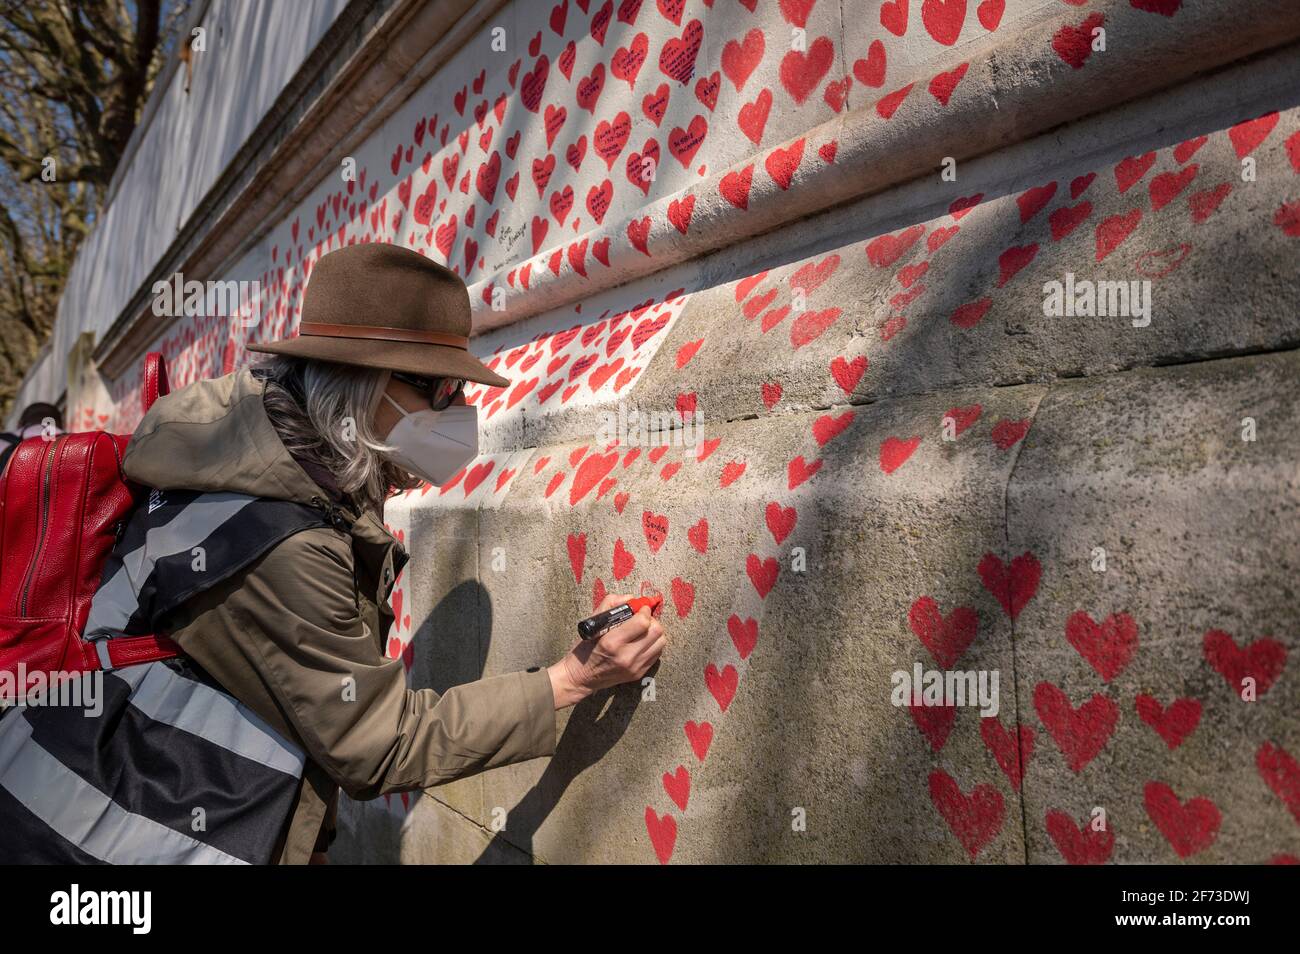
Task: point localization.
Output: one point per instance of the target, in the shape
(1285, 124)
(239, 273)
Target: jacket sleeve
(295, 613)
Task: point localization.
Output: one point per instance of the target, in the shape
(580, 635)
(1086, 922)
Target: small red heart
(698, 535)
(1011, 752)
(1281, 773)
(1261, 662)
(662, 832)
(846, 373)
(678, 786)
(826, 428)
(624, 561)
(722, 685)
(948, 637)
(1079, 846)
(762, 574)
(894, 452)
(935, 722)
(683, 596)
(577, 545)
(1173, 724)
(700, 735)
(1189, 827)
(731, 472)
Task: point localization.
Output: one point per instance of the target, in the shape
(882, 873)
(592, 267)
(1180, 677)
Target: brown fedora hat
(385, 306)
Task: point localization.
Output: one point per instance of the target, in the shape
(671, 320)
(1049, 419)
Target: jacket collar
(215, 435)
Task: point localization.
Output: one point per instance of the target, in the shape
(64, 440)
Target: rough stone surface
(904, 460)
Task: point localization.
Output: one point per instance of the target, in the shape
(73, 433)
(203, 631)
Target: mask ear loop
(381, 390)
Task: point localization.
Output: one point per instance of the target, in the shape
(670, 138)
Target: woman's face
(411, 398)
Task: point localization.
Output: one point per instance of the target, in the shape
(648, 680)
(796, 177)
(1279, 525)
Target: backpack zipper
(50, 454)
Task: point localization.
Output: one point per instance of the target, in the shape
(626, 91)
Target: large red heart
(884, 250)
(683, 597)
(943, 19)
(739, 60)
(947, 638)
(1109, 646)
(1012, 585)
(780, 521)
(477, 474)
(1079, 733)
(801, 72)
(624, 561)
(1247, 136)
(677, 58)
(698, 535)
(1074, 44)
(973, 818)
(655, 527)
(846, 373)
(1114, 230)
(593, 470)
(1262, 661)
(893, 16)
(990, 13)
(811, 325)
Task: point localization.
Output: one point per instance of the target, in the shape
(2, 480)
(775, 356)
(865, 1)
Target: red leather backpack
(63, 503)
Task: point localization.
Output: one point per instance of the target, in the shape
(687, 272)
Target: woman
(262, 553)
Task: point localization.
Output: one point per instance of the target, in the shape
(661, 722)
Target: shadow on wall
(594, 726)
(443, 658)
(443, 647)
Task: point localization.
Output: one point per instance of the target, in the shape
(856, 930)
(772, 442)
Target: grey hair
(322, 410)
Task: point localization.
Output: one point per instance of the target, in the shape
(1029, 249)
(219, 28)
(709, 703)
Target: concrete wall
(905, 461)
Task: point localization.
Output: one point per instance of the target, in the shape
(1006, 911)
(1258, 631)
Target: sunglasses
(440, 391)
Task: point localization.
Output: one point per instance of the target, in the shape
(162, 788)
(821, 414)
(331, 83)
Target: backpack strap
(155, 379)
(150, 571)
(11, 444)
(129, 650)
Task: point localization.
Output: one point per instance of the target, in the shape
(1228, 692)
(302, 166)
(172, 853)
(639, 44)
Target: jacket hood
(215, 435)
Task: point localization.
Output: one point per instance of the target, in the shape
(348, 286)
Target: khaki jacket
(299, 635)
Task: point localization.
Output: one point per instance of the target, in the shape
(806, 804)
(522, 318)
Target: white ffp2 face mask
(434, 444)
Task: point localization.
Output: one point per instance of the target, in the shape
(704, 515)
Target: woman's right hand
(623, 654)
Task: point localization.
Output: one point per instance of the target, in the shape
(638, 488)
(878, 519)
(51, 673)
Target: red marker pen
(593, 626)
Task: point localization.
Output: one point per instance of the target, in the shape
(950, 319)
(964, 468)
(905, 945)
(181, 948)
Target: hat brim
(412, 357)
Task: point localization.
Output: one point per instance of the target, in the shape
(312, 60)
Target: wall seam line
(1015, 656)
